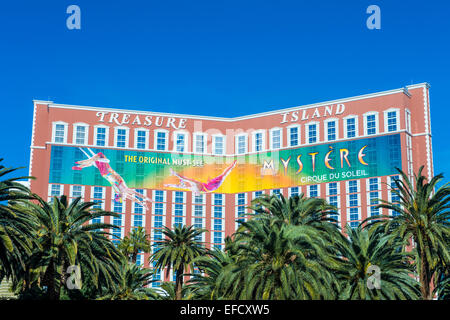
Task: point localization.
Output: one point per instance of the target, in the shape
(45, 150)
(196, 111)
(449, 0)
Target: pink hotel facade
(401, 115)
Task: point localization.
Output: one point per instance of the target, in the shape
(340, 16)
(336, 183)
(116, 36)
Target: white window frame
(397, 115)
(236, 143)
(377, 123)
(307, 132)
(263, 140)
(298, 135)
(127, 136)
(147, 135)
(106, 135)
(133, 206)
(86, 133)
(290, 190)
(205, 142)
(61, 189)
(271, 147)
(82, 191)
(175, 138)
(224, 139)
(352, 116)
(326, 122)
(155, 139)
(338, 188)
(66, 126)
(309, 190)
(103, 198)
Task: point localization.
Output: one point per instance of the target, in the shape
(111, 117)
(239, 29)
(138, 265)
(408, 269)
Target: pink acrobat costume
(119, 186)
(198, 187)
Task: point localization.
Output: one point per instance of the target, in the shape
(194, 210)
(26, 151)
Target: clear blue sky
(218, 58)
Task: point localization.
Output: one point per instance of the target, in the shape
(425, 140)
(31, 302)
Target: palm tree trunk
(424, 278)
(179, 283)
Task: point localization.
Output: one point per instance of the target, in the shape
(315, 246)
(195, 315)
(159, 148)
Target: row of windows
(161, 137)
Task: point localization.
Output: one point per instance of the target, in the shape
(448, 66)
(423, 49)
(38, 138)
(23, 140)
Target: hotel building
(344, 150)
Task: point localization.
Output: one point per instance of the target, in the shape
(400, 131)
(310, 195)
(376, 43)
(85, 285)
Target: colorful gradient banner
(361, 158)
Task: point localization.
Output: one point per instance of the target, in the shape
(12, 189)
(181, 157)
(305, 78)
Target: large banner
(361, 158)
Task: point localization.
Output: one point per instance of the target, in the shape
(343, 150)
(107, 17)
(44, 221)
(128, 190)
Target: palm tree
(170, 292)
(367, 249)
(423, 216)
(282, 262)
(135, 242)
(16, 227)
(177, 252)
(132, 284)
(66, 238)
(215, 275)
(296, 210)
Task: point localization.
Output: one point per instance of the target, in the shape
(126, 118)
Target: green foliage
(177, 252)
(137, 241)
(372, 247)
(423, 217)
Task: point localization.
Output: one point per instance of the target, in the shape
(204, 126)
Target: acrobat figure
(120, 188)
(198, 187)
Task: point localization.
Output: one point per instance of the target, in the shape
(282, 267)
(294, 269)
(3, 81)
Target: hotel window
(333, 199)
(161, 140)
(179, 197)
(178, 214)
(98, 195)
(219, 145)
(117, 221)
(352, 186)
(218, 212)
(138, 210)
(353, 201)
(80, 134)
(277, 192)
(241, 201)
(331, 130)
(217, 220)
(139, 259)
(159, 196)
(141, 139)
(55, 190)
(258, 141)
(157, 275)
(241, 144)
(179, 208)
(101, 136)
(121, 137)
(313, 191)
(294, 136)
(199, 143)
(218, 199)
(371, 123)
(373, 185)
(257, 194)
(393, 194)
(294, 191)
(275, 139)
(354, 216)
(333, 188)
(60, 132)
(351, 127)
(76, 191)
(391, 120)
(180, 142)
(312, 133)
